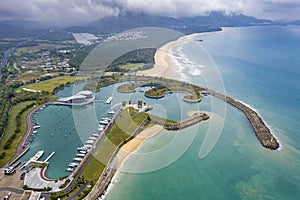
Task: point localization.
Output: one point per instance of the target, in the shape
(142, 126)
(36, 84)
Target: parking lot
(11, 183)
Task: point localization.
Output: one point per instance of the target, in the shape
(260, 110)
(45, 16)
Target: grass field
(10, 130)
(131, 66)
(120, 131)
(34, 74)
(51, 84)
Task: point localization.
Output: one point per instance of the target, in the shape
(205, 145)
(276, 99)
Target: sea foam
(265, 122)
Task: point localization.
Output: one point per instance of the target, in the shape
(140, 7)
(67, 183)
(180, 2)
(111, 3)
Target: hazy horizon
(71, 12)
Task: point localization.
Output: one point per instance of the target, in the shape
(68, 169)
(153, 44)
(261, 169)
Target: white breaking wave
(110, 185)
(183, 63)
(269, 127)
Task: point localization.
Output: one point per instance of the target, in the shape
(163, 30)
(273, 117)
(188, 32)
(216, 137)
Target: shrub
(25, 187)
(2, 155)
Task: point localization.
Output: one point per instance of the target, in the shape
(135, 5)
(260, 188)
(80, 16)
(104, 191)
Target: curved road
(21, 146)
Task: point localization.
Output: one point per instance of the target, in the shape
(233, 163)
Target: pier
(50, 156)
(183, 124)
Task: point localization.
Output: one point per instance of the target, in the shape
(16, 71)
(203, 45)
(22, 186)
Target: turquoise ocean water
(259, 66)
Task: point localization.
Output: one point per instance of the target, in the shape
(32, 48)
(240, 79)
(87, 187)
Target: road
(11, 189)
(78, 192)
(21, 146)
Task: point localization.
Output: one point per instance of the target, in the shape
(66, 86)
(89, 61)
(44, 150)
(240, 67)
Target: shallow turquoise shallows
(259, 66)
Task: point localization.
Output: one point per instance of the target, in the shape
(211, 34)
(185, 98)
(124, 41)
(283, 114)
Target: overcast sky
(77, 11)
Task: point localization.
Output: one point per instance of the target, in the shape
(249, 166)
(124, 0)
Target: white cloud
(86, 10)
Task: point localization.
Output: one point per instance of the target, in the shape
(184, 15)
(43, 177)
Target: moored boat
(108, 101)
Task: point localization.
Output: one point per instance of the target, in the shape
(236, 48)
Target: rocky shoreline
(261, 130)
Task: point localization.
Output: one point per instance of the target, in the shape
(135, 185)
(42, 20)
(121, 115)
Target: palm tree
(140, 103)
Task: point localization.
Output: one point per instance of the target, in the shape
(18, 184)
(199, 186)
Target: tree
(140, 103)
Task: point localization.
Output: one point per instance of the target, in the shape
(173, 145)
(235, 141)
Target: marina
(75, 128)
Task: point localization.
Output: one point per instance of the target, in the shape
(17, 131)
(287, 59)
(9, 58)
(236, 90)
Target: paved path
(11, 189)
(78, 192)
(21, 146)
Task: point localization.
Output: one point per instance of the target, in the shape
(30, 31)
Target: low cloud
(71, 11)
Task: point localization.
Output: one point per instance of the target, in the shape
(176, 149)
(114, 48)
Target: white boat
(69, 169)
(80, 154)
(108, 101)
(112, 112)
(83, 152)
(95, 135)
(88, 146)
(34, 132)
(100, 129)
(74, 164)
(106, 118)
(37, 156)
(90, 142)
(36, 127)
(105, 122)
(78, 159)
(82, 149)
(92, 138)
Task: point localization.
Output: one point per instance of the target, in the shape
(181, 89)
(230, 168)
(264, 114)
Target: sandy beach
(163, 66)
(136, 142)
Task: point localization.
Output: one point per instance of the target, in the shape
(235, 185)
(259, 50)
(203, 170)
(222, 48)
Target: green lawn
(121, 130)
(96, 166)
(10, 130)
(131, 66)
(51, 84)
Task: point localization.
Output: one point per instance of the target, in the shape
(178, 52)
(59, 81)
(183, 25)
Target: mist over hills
(129, 20)
(126, 21)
